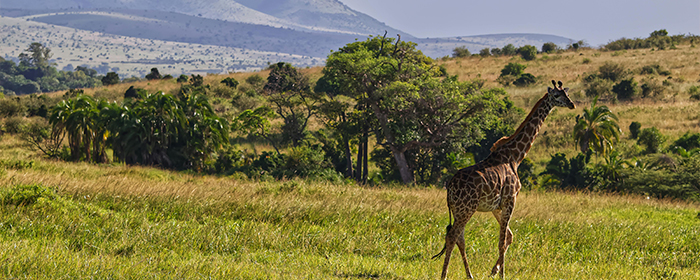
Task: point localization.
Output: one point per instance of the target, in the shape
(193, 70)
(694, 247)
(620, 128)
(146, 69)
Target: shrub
(694, 92)
(485, 52)
(626, 89)
(509, 50)
(595, 86)
(688, 141)
(132, 92)
(654, 69)
(528, 52)
(549, 47)
(230, 82)
(10, 107)
(460, 52)
(612, 71)
(506, 80)
(525, 80)
(14, 124)
(513, 69)
(586, 60)
(110, 79)
(651, 139)
(635, 129)
(496, 52)
(183, 78)
(652, 88)
(154, 75)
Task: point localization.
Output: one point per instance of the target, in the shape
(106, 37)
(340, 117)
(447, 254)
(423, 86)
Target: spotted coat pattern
(492, 185)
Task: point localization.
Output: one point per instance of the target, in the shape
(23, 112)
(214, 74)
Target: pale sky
(596, 21)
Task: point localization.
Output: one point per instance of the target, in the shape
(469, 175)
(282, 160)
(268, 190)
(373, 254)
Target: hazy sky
(596, 21)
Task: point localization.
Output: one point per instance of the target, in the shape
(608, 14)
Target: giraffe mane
(506, 139)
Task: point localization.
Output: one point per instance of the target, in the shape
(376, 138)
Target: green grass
(65, 220)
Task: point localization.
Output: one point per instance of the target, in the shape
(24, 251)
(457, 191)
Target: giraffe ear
(549, 89)
(566, 89)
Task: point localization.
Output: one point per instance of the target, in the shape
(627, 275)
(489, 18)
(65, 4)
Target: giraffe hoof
(495, 270)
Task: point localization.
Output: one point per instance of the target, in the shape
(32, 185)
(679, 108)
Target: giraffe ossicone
(492, 185)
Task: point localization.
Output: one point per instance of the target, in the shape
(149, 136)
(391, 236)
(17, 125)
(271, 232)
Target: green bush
(549, 47)
(485, 52)
(652, 88)
(635, 128)
(528, 52)
(694, 92)
(513, 69)
(230, 82)
(654, 69)
(154, 75)
(110, 79)
(596, 86)
(525, 80)
(14, 125)
(651, 139)
(183, 78)
(460, 52)
(626, 89)
(612, 71)
(688, 141)
(509, 50)
(11, 107)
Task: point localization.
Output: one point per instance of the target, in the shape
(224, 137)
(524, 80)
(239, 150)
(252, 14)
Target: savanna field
(67, 220)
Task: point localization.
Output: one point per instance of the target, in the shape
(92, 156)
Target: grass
(75, 220)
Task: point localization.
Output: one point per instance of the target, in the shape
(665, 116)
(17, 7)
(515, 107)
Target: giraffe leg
(461, 245)
(456, 237)
(505, 236)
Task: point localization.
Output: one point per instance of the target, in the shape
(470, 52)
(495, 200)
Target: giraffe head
(559, 96)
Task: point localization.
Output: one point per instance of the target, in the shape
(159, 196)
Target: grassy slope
(114, 221)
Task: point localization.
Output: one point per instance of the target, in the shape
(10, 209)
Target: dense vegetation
(35, 74)
(380, 111)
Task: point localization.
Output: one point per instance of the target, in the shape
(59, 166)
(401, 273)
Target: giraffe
(493, 183)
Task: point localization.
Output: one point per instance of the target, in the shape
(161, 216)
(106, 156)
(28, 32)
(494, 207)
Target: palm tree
(596, 129)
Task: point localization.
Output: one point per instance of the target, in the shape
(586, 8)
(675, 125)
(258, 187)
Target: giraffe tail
(449, 227)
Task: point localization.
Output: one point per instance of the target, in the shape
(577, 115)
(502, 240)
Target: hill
(274, 28)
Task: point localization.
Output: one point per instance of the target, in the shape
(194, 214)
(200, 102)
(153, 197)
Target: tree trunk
(360, 154)
(401, 163)
(365, 150)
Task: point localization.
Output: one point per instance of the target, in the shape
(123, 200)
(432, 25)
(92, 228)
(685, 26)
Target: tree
(528, 52)
(230, 82)
(182, 78)
(290, 92)
(257, 122)
(110, 79)
(525, 79)
(597, 129)
(460, 52)
(418, 113)
(651, 138)
(513, 69)
(626, 89)
(509, 50)
(659, 33)
(154, 75)
(549, 47)
(38, 56)
(485, 52)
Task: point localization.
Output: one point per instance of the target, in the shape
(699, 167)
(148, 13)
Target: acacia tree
(414, 107)
(290, 93)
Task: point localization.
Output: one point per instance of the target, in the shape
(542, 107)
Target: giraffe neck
(521, 141)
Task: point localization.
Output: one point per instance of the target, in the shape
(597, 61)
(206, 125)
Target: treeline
(378, 100)
(34, 74)
(658, 39)
(527, 52)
